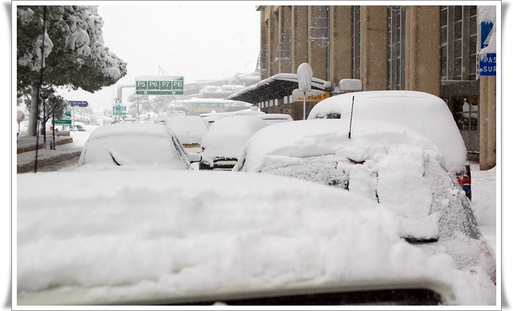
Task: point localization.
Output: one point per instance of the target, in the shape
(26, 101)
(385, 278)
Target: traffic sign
(119, 110)
(486, 30)
(76, 103)
(62, 122)
(159, 85)
(488, 61)
(488, 65)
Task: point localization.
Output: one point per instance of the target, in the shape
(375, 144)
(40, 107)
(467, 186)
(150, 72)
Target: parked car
(79, 126)
(160, 237)
(132, 145)
(221, 146)
(189, 130)
(212, 117)
(423, 112)
(385, 162)
(273, 118)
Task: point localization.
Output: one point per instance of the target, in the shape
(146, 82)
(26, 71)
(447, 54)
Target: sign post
(304, 78)
(74, 104)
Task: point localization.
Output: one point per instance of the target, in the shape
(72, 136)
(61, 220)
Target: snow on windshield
(126, 145)
(189, 129)
(394, 153)
(227, 136)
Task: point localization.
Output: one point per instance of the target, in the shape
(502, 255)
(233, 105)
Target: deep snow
(246, 245)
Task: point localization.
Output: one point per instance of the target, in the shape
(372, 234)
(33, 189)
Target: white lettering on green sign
(157, 85)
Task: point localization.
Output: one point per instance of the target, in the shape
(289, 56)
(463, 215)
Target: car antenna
(351, 118)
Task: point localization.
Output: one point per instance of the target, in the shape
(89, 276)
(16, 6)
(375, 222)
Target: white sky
(197, 40)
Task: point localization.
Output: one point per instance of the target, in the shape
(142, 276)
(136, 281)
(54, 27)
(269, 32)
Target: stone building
(429, 48)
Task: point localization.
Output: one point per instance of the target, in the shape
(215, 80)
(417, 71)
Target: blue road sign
(488, 62)
(76, 103)
(486, 29)
(488, 65)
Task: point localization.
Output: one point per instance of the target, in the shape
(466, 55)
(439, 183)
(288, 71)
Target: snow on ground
(484, 201)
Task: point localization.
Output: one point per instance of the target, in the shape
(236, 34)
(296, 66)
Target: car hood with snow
(143, 237)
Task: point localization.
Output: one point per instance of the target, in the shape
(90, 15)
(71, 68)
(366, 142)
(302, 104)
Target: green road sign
(159, 85)
(119, 108)
(62, 122)
(67, 113)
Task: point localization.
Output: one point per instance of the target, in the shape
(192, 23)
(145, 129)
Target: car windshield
(130, 145)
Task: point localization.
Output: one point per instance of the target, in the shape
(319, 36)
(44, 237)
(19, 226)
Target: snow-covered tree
(144, 104)
(74, 54)
(139, 104)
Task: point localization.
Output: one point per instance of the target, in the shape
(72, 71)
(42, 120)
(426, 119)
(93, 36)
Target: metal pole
(351, 119)
(44, 120)
(40, 85)
(53, 128)
(304, 106)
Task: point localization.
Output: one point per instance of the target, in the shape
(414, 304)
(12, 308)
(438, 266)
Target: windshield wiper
(414, 240)
(114, 159)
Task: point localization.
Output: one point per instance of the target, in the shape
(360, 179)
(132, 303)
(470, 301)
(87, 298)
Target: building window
(319, 27)
(473, 70)
(283, 51)
(466, 114)
(356, 41)
(396, 47)
(262, 64)
(458, 42)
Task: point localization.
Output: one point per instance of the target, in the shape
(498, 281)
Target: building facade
(427, 48)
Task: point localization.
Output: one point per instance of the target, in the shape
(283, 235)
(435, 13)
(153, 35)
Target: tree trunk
(34, 102)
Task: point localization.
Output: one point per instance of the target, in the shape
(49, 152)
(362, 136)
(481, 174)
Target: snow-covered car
(134, 145)
(79, 126)
(270, 118)
(160, 237)
(423, 112)
(383, 162)
(223, 143)
(213, 116)
(189, 129)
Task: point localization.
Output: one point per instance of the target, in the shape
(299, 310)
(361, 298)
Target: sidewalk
(65, 146)
(28, 143)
